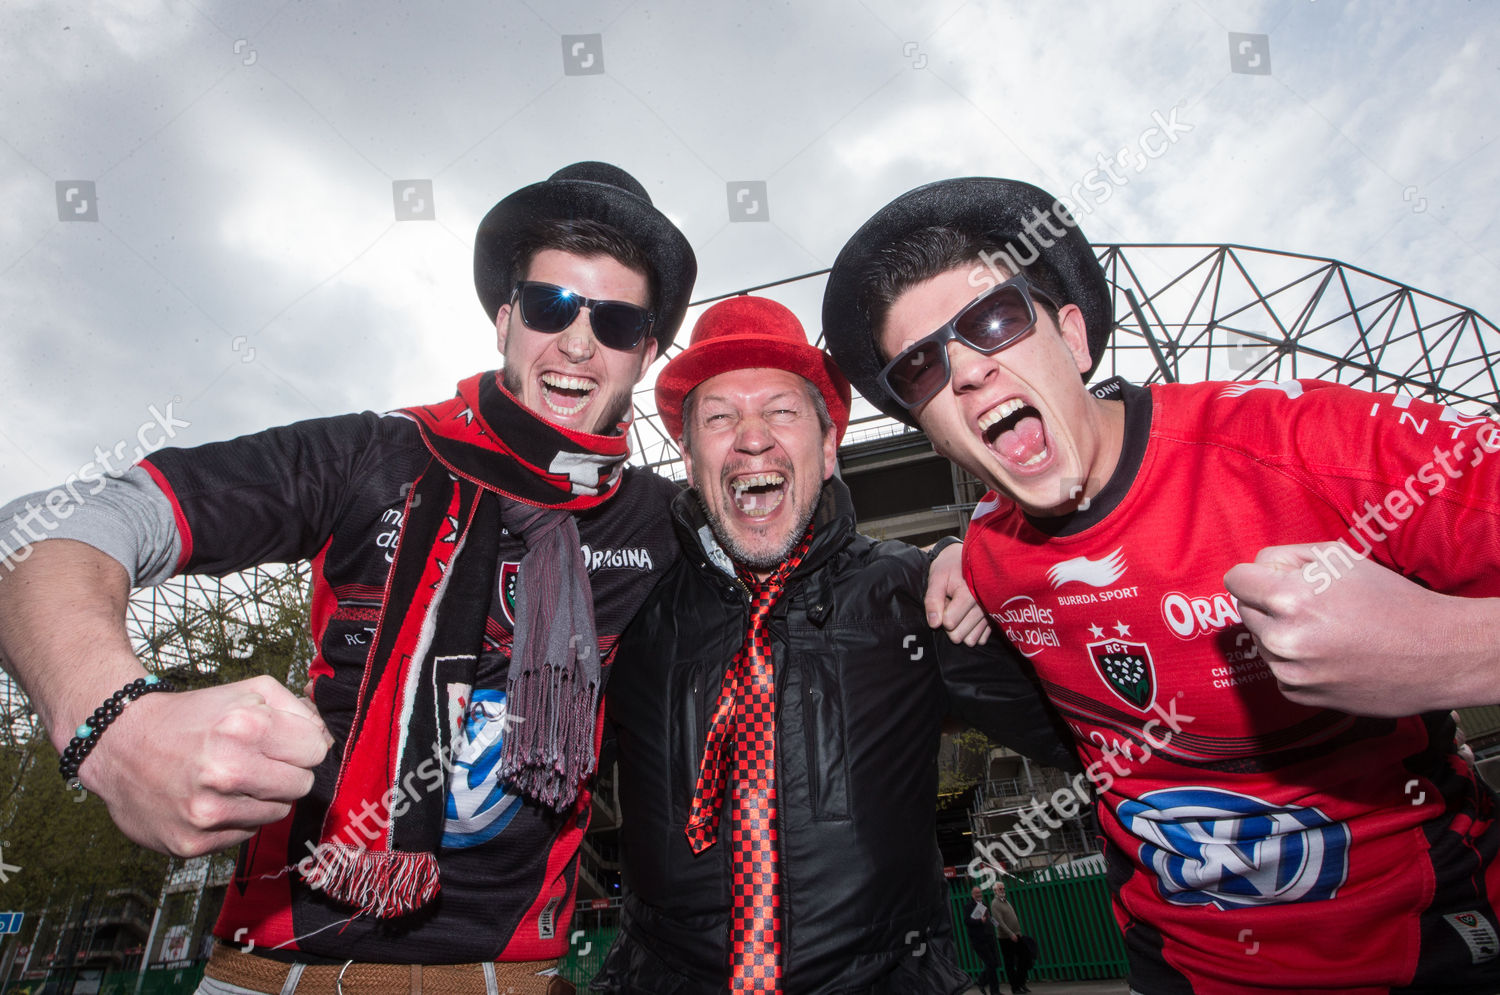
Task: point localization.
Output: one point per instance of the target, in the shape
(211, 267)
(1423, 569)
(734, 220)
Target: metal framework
(166, 623)
(1184, 313)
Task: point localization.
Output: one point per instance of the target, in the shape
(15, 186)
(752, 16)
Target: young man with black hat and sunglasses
(415, 826)
(1209, 578)
(778, 702)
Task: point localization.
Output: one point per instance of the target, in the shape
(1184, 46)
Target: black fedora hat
(1002, 212)
(593, 191)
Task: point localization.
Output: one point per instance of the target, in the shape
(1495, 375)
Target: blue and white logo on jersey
(478, 805)
(1214, 847)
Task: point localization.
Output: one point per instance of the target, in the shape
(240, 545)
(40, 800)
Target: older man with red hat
(778, 701)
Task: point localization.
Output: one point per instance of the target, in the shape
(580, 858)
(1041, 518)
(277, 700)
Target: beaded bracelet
(87, 735)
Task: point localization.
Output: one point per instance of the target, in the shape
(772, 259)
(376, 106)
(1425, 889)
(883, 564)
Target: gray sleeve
(128, 519)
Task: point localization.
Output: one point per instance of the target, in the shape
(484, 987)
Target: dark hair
(820, 407)
(580, 237)
(928, 252)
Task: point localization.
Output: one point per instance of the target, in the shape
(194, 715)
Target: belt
(362, 978)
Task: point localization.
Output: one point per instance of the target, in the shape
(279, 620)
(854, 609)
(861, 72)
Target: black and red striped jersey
(333, 490)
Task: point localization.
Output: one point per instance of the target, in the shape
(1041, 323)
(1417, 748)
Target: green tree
(961, 760)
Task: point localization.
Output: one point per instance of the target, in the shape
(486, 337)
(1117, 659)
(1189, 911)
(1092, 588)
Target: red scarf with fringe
(491, 457)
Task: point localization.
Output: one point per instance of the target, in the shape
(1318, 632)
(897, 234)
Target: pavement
(1068, 988)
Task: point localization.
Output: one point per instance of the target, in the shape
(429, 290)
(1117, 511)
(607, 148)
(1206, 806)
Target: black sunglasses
(548, 308)
(995, 319)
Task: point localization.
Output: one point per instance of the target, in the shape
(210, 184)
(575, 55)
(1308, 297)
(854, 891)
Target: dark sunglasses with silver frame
(548, 308)
(999, 317)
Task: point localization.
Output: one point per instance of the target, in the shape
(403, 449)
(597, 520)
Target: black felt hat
(1002, 212)
(593, 191)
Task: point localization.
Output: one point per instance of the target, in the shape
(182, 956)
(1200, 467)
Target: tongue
(1022, 442)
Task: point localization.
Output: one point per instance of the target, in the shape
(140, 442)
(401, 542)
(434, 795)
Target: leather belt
(262, 974)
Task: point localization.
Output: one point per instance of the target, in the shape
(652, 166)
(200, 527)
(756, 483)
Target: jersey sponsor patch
(1291, 388)
(1127, 668)
(1027, 625)
(1082, 570)
(1478, 934)
(638, 558)
(1212, 847)
(1191, 617)
(479, 805)
(546, 920)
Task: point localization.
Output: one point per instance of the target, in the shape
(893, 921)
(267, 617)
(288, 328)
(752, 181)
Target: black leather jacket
(863, 686)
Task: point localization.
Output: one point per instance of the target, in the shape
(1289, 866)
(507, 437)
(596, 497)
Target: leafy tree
(962, 760)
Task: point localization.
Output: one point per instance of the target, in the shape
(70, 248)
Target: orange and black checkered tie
(747, 713)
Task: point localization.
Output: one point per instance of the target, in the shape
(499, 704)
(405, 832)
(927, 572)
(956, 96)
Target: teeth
(559, 382)
(565, 411)
(757, 480)
(568, 383)
(761, 503)
(1036, 459)
(1000, 413)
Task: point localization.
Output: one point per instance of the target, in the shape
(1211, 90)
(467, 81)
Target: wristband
(87, 735)
(940, 545)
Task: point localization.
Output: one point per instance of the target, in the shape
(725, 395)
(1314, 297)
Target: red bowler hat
(745, 333)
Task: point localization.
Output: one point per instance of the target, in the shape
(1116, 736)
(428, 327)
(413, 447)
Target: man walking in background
(980, 925)
(1012, 944)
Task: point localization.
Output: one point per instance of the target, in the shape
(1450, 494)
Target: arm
(1361, 638)
(949, 602)
(1400, 613)
(235, 756)
(197, 771)
(992, 689)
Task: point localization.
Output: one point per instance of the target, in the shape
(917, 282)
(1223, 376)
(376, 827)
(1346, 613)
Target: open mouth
(1015, 431)
(756, 495)
(566, 395)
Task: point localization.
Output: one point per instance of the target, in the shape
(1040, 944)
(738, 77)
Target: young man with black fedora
(1169, 559)
(778, 702)
(416, 825)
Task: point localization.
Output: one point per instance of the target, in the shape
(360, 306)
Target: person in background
(1013, 947)
(981, 928)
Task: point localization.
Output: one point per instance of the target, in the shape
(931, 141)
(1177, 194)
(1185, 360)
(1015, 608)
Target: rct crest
(510, 572)
(1219, 848)
(1128, 670)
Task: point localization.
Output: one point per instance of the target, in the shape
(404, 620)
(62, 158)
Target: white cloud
(253, 198)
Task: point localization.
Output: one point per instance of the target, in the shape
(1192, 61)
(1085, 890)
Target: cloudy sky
(201, 197)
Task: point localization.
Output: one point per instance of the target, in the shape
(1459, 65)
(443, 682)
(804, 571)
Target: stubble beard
(763, 562)
(511, 381)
